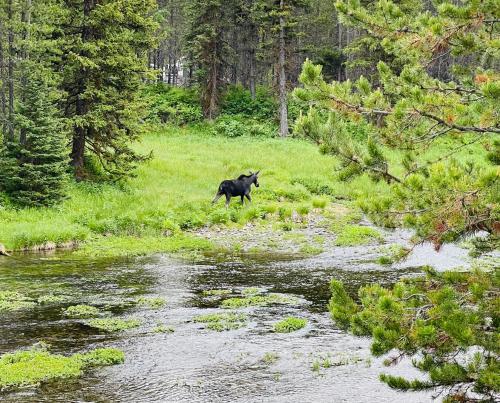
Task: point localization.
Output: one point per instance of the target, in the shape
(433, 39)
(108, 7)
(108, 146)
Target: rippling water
(193, 364)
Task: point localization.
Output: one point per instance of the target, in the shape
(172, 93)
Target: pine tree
(448, 322)
(105, 46)
(410, 109)
(279, 22)
(35, 171)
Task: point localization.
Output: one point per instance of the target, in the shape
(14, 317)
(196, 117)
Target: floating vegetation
(290, 324)
(81, 311)
(222, 321)
(151, 302)
(163, 329)
(32, 367)
(252, 291)
(270, 358)
(209, 293)
(113, 324)
(13, 301)
(51, 299)
(258, 300)
(352, 235)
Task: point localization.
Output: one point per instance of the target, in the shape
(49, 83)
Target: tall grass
(173, 191)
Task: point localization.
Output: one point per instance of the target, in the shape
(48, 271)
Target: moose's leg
(217, 197)
(242, 200)
(248, 197)
(228, 199)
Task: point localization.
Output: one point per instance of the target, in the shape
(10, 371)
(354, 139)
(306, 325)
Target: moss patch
(51, 299)
(13, 301)
(37, 365)
(222, 321)
(113, 325)
(290, 324)
(352, 235)
(151, 302)
(81, 311)
(208, 293)
(258, 300)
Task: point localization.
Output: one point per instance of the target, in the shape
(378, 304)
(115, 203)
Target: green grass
(172, 193)
(258, 300)
(35, 366)
(352, 235)
(113, 325)
(290, 324)
(81, 311)
(223, 321)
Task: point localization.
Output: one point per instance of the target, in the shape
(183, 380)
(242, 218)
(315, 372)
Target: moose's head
(255, 178)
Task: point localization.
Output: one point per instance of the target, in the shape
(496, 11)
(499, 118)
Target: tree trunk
(3, 89)
(26, 18)
(282, 76)
(81, 108)
(10, 132)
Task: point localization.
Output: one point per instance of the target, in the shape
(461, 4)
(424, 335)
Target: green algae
(81, 311)
(14, 301)
(222, 321)
(151, 302)
(29, 368)
(290, 324)
(113, 324)
(258, 300)
(217, 292)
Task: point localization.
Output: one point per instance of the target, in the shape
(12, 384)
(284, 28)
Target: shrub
(239, 125)
(174, 105)
(319, 202)
(238, 101)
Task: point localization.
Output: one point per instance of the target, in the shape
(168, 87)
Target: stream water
(194, 364)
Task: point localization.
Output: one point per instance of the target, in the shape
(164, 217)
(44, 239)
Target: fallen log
(3, 251)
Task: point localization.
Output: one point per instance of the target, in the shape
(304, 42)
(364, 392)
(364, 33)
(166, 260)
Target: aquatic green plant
(37, 365)
(51, 299)
(163, 329)
(310, 250)
(270, 358)
(290, 324)
(13, 301)
(252, 291)
(352, 235)
(258, 300)
(113, 324)
(151, 302)
(216, 292)
(222, 321)
(81, 311)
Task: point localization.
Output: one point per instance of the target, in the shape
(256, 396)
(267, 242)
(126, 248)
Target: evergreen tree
(35, 171)
(448, 322)
(441, 198)
(104, 64)
(279, 22)
(208, 49)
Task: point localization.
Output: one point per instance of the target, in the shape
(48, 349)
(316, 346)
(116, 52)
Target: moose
(237, 187)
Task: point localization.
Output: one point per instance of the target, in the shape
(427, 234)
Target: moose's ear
(256, 173)
(251, 173)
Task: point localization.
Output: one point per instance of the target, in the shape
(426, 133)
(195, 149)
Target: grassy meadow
(170, 196)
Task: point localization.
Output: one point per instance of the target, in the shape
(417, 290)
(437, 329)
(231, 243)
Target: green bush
(238, 101)
(174, 105)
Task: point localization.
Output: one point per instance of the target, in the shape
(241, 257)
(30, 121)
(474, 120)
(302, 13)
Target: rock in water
(3, 251)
